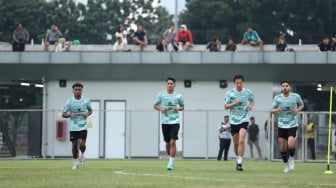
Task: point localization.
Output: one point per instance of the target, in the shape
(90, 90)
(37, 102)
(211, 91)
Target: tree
(92, 23)
(229, 18)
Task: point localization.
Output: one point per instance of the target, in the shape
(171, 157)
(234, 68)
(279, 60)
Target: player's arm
(159, 108)
(67, 115)
(250, 106)
(275, 108)
(298, 109)
(230, 105)
(87, 114)
(180, 108)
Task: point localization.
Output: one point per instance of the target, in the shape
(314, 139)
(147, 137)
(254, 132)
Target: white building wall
(204, 97)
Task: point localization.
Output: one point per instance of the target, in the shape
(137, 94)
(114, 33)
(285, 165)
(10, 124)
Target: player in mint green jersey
(287, 105)
(169, 103)
(239, 101)
(77, 108)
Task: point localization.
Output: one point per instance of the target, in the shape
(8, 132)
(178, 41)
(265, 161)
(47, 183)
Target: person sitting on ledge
(252, 38)
(184, 38)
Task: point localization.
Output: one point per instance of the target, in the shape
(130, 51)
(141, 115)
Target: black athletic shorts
(170, 131)
(235, 128)
(285, 133)
(75, 135)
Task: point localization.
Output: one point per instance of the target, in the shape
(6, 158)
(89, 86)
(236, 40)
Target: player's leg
(241, 145)
(74, 140)
(283, 146)
(82, 145)
(291, 146)
(235, 138)
(165, 133)
(174, 129)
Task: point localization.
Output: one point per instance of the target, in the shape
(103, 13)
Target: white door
(92, 141)
(115, 123)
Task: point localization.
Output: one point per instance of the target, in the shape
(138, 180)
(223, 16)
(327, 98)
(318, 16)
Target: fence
(120, 133)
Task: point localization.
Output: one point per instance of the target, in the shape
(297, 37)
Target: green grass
(152, 174)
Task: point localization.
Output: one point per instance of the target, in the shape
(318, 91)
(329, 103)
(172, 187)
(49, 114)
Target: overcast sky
(170, 5)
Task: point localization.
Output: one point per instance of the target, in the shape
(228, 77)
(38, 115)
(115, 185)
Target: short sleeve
(157, 99)
(251, 97)
(88, 105)
(274, 103)
(299, 100)
(227, 98)
(66, 108)
(181, 101)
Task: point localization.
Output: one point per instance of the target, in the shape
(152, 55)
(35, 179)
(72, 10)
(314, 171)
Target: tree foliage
(296, 19)
(92, 23)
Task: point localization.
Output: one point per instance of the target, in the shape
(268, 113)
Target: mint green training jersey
(239, 113)
(80, 107)
(286, 118)
(170, 101)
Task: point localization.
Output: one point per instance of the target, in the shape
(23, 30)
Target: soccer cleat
(170, 166)
(286, 168)
(82, 160)
(239, 167)
(76, 165)
(291, 163)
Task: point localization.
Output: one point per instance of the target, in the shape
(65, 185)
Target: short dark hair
(285, 81)
(252, 118)
(226, 116)
(77, 85)
(215, 38)
(239, 76)
(171, 78)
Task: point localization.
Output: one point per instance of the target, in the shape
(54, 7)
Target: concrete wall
(204, 110)
(149, 48)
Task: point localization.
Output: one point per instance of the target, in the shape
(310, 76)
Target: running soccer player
(239, 101)
(77, 108)
(169, 103)
(287, 105)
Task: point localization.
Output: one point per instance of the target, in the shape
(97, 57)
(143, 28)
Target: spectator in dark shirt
(140, 38)
(20, 37)
(162, 46)
(333, 41)
(253, 137)
(324, 45)
(230, 45)
(214, 45)
(281, 45)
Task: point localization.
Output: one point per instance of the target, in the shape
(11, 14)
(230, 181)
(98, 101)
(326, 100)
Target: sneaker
(76, 165)
(82, 160)
(286, 168)
(170, 166)
(291, 163)
(239, 167)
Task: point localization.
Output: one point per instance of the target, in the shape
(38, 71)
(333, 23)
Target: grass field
(152, 174)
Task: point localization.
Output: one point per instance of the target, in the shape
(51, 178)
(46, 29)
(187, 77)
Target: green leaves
(93, 23)
(296, 19)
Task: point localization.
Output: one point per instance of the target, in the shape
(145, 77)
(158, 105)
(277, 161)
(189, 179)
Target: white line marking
(130, 173)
